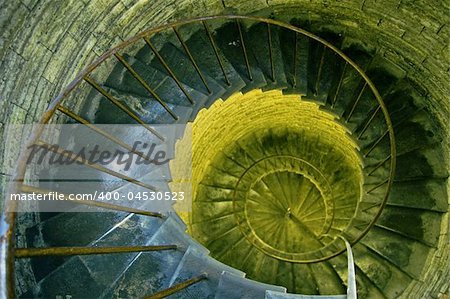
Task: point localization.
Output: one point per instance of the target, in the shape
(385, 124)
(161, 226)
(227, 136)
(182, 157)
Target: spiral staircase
(301, 145)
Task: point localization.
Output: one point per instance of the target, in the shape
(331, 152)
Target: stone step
(231, 286)
(203, 53)
(325, 68)
(229, 42)
(164, 86)
(179, 63)
(89, 224)
(297, 278)
(364, 286)
(133, 230)
(427, 194)
(418, 225)
(403, 253)
(390, 280)
(267, 55)
(147, 108)
(347, 89)
(277, 295)
(163, 263)
(193, 264)
(295, 60)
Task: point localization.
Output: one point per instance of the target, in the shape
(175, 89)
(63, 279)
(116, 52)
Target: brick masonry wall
(45, 43)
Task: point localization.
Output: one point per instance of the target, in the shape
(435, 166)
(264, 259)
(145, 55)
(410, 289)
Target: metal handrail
(8, 216)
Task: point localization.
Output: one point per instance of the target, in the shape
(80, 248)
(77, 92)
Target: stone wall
(45, 43)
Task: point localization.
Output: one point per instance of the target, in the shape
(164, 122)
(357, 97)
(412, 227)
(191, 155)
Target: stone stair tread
(329, 282)
(86, 220)
(148, 273)
(278, 295)
(163, 263)
(162, 84)
(70, 223)
(223, 232)
(215, 193)
(184, 71)
(324, 72)
(295, 65)
(215, 208)
(416, 135)
(351, 80)
(77, 213)
(365, 287)
(415, 224)
(174, 215)
(258, 42)
(173, 232)
(166, 87)
(231, 286)
(380, 272)
(147, 108)
(72, 278)
(368, 103)
(428, 164)
(429, 194)
(203, 53)
(228, 41)
(400, 251)
(105, 269)
(174, 95)
(193, 264)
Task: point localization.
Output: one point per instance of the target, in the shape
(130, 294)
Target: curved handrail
(8, 217)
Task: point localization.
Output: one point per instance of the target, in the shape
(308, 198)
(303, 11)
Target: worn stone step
(203, 52)
(295, 60)
(229, 42)
(390, 280)
(163, 263)
(365, 287)
(406, 254)
(231, 286)
(145, 107)
(277, 295)
(324, 68)
(179, 63)
(164, 85)
(193, 264)
(268, 55)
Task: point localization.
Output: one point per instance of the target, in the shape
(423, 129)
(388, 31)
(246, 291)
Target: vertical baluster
(338, 89)
(272, 66)
(168, 69)
(366, 126)
(294, 63)
(176, 288)
(244, 51)
(319, 71)
(145, 85)
(121, 106)
(216, 52)
(356, 102)
(191, 58)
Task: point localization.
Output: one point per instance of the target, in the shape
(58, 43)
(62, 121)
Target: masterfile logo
(97, 156)
(120, 164)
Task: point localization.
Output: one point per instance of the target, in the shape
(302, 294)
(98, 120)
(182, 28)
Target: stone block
(12, 17)
(60, 59)
(245, 7)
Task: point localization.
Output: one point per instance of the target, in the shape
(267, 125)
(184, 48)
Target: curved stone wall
(44, 44)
